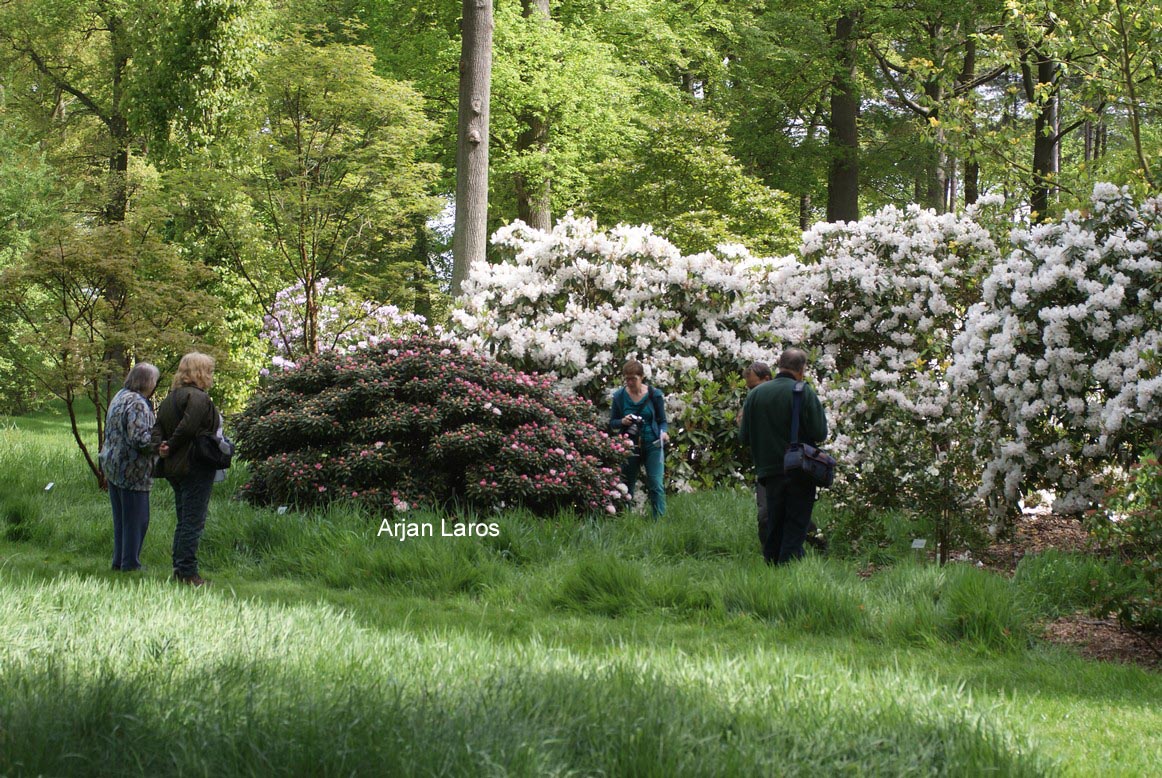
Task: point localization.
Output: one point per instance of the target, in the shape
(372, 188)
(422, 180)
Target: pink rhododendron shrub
(418, 421)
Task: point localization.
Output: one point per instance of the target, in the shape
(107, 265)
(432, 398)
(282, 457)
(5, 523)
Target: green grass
(622, 646)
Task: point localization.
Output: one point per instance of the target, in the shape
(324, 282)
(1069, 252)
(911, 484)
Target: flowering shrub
(577, 302)
(944, 347)
(416, 421)
(345, 322)
(884, 297)
(1055, 350)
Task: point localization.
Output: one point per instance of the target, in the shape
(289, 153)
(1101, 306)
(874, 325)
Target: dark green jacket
(185, 413)
(766, 422)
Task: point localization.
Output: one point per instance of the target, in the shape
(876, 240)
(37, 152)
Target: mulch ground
(1096, 639)
(1101, 639)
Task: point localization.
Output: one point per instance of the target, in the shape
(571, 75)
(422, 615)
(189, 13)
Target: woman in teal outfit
(640, 412)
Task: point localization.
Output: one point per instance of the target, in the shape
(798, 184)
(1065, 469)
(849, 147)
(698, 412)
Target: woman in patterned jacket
(127, 459)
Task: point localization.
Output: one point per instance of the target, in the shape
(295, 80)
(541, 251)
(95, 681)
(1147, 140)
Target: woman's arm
(617, 411)
(139, 422)
(195, 419)
(659, 400)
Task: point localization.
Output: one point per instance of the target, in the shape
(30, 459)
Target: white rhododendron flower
(953, 361)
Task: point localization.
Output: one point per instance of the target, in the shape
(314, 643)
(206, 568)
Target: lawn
(567, 646)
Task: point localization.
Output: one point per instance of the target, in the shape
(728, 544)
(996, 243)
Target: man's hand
(163, 450)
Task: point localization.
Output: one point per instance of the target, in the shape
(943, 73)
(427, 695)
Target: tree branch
(61, 84)
(888, 69)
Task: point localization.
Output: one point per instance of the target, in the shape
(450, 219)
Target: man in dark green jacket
(766, 428)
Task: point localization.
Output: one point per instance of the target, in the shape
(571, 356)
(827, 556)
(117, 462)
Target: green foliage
(680, 177)
(192, 66)
(777, 100)
(1057, 583)
(416, 422)
(338, 181)
(1132, 532)
(573, 82)
(89, 300)
(27, 203)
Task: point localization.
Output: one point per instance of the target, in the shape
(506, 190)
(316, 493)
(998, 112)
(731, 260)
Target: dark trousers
(191, 496)
(760, 496)
(130, 523)
(789, 501)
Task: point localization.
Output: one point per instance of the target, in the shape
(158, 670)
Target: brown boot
(191, 580)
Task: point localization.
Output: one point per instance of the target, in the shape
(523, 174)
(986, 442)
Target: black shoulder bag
(804, 458)
(215, 451)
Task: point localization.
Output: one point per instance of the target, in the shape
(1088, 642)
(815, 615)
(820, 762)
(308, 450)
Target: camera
(635, 427)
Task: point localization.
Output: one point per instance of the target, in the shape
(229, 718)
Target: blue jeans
(191, 496)
(790, 500)
(655, 463)
(130, 523)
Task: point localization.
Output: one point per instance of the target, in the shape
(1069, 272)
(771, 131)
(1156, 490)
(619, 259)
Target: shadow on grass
(246, 716)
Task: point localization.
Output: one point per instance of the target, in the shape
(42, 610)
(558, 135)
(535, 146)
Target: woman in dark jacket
(127, 457)
(186, 412)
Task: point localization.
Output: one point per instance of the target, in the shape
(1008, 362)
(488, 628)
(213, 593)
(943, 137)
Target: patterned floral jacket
(127, 457)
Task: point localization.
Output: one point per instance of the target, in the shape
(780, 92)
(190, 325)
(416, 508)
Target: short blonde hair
(195, 369)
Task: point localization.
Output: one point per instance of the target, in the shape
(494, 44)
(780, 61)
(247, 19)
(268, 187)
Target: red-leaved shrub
(417, 421)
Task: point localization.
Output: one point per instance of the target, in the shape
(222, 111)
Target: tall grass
(564, 645)
(1053, 583)
(203, 685)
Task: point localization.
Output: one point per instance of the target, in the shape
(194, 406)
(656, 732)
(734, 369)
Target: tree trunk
(813, 126)
(1044, 158)
(936, 194)
(950, 185)
(1041, 84)
(804, 212)
(310, 316)
(843, 176)
(971, 181)
(469, 243)
(115, 356)
(532, 196)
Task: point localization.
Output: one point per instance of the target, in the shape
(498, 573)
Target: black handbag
(208, 452)
(804, 458)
